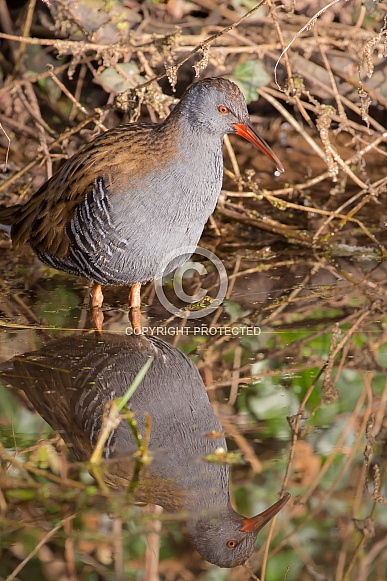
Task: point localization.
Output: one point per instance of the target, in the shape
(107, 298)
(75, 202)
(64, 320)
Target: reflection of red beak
(256, 523)
(247, 131)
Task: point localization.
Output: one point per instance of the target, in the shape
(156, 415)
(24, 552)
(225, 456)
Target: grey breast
(150, 231)
(153, 230)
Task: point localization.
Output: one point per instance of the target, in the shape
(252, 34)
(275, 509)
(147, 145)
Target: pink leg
(96, 300)
(96, 296)
(135, 308)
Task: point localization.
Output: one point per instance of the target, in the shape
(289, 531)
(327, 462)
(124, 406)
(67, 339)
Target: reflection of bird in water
(69, 382)
(131, 205)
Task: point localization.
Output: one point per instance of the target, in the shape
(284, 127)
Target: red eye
(223, 109)
(231, 544)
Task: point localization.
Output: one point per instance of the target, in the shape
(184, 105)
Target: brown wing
(116, 156)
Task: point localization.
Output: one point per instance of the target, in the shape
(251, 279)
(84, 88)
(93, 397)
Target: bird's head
(217, 106)
(228, 540)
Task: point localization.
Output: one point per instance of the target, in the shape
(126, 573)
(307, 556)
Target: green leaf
(113, 81)
(122, 401)
(248, 76)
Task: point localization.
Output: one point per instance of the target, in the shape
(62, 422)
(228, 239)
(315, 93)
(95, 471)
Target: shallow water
(294, 364)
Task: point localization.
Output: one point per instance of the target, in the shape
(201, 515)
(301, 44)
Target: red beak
(247, 131)
(256, 523)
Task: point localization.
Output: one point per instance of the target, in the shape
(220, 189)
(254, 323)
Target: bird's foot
(135, 319)
(96, 300)
(96, 296)
(135, 308)
(96, 315)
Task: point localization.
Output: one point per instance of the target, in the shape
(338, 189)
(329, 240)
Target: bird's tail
(7, 217)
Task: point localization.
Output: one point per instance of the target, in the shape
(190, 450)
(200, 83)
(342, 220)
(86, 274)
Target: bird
(136, 194)
(69, 382)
